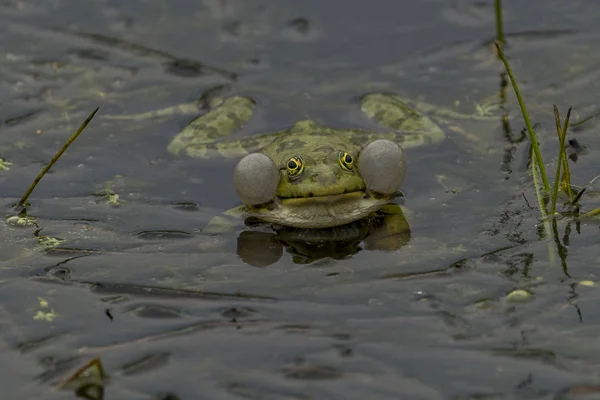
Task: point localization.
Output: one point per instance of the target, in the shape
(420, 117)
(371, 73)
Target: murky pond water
(175, 312)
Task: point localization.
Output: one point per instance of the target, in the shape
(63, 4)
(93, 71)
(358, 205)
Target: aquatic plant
(565, 183)
(538, 169)
(59, 153)
(537, 160)
(499, 25)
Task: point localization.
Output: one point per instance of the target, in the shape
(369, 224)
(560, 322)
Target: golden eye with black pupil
(346, 160)
(295, 166)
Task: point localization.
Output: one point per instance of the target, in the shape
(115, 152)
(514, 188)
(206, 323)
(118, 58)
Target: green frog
(312, 176)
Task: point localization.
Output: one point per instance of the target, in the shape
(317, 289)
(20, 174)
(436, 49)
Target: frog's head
(320, 185)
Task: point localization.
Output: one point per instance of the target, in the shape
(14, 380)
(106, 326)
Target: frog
(311, 176)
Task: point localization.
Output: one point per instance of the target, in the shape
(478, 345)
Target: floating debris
(518, 295)
(87, 382)
(4, 165)
(21, 221)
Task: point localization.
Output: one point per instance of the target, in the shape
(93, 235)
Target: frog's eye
(383, 166)
(255, 179)
(295, 166)
(346, 160)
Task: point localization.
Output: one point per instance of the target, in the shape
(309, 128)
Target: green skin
(325, 194)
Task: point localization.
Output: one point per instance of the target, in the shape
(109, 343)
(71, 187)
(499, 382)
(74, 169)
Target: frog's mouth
(333, 198)
(321, 199)
(319, 211)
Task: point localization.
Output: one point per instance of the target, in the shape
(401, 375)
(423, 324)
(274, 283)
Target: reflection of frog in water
(385, 229)
(309, 177)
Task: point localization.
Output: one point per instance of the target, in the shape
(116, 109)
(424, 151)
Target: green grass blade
(499, 26)
(592, 213)
(532, 134)
(562, 154)
(566, 173)
(65, 146)
(536, 185)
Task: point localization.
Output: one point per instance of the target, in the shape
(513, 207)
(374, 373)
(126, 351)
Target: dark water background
(171, 311)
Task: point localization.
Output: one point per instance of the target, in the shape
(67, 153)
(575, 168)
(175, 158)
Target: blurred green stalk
(532, 136)
(499, 27)
(562, 134)
(65, 146)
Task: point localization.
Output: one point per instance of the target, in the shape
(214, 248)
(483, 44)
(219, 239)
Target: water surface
(173, 312)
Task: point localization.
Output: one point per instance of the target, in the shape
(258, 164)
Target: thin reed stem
(532, 135)
(65, 146)
(499, 26)
(562, 134)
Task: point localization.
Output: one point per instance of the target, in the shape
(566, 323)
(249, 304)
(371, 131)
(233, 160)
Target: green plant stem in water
(536, 185)
(532, 135)
(592, 213)
(566, 177)
(543, 210)
(65, 146)
(499, 27)
(562, 155)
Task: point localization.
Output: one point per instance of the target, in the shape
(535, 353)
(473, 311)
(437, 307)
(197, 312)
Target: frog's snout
(324, 179)
(323, 176)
